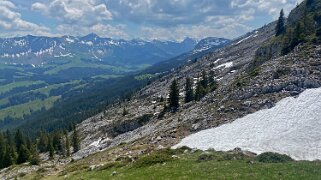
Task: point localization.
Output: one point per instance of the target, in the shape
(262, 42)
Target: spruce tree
(43, 142)
(189, 92)
(75, 140)
(2, 150)
(200, 92)
(9, 158)
(23, 154)
(174, 96)
(125, 112)
(280, 26)
(50, 148)
(19, 140)
(35, 158)
(67, 144)
(204, 81)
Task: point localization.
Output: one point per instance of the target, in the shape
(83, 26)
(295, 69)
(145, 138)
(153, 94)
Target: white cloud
(79, 17)
(104, 30)
(84, 12)
(12, 24)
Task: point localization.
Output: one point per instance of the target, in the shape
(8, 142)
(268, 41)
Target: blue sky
(143, 19)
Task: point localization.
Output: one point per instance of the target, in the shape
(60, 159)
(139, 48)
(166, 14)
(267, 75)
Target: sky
(139, 19)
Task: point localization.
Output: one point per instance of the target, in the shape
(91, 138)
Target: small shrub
(124, 159)
(270, 157)
(183, 148)
(155, 158)
(205, 157)
(234, 156)
(111, 165)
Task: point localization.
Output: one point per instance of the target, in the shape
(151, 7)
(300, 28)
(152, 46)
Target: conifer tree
(35, 158)
(9, 158)
(50, 148)
(2, 150)
(43, 142)
(75, 140)
(23, 154)
(67, 144)
(125, 112)
(174, 96)
(200, 92)
(280, 26)
(19, 140)
(204, 81)
(189, 90)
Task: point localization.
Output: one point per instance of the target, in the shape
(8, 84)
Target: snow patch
(292, 127)
(225, 65)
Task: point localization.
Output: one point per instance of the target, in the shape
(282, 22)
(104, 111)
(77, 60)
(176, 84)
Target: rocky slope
(242, 90)
(244, 87)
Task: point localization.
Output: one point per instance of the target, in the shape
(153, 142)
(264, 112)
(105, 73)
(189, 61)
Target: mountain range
(44, 50)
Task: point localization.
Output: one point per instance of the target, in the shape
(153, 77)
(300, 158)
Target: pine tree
(200, 92)
(75, 140)
(19, 140)
(23, 154)
(204, 81)
(174, 96)
(50, 148)
(2, 150)
(9, 158)
(125, 112)
(67, 144)
(296, 38)
(35, 158)
(213, 83)
(189, 90)
(280, 27)
(43, 142)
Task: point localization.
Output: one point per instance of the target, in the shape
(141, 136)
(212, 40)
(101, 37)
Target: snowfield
(292, 127)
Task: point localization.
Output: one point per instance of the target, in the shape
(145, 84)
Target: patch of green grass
(9, 87)
(46, 90)
(187, 166)
(4, 101)
(108, 76)
(77, 63)
(144, 76)
(19, 111)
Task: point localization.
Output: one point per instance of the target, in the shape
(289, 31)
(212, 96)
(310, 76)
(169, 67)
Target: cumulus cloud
(145, 19)
(11, 22)
(79, 17)
(197, 18)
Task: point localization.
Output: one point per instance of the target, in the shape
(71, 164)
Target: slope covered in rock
(244, 87)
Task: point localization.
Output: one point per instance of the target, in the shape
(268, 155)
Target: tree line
(16, 148)
(306, 29)
(205, 84)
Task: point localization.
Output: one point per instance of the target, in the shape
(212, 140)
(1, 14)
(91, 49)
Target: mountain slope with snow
(43, 50)
(292, 127)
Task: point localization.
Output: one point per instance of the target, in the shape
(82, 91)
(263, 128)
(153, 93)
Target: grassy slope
(187, 166)
(9, 87)
(20, 110)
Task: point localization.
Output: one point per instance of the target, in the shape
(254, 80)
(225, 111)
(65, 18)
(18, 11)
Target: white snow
(216, 61)
(225, 65)
(95, 143)
(69, 40)
(292, 127)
